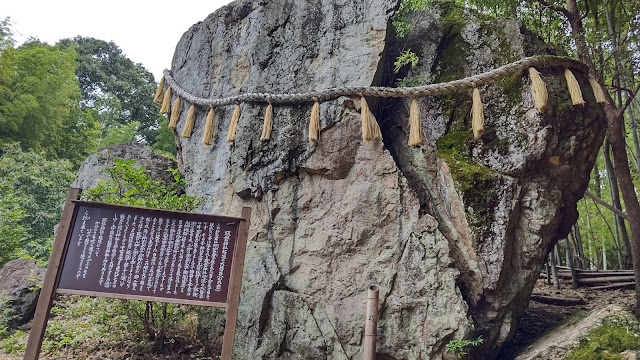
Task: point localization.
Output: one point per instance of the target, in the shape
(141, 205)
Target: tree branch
(632, 96)
(604, 203)
(553, 7)
(586, 5)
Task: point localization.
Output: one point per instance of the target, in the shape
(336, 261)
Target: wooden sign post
(144, 254)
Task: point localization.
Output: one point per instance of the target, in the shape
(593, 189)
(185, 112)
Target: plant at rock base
(460, 347)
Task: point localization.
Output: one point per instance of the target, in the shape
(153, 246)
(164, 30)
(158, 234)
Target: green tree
(119, 134)
(117, 89)
(12, 233)
(32, 190)
(39, 102)
(6, 35)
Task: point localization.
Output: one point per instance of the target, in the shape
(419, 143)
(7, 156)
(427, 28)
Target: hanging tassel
(175, 114)
(191, 119)
(209, 127)
(314, 123)
(539, 93)
(597, 91)
(375, 129)
(166, 102)
(574, 88)
(415, 124)
(159, 92)
(370, 128)
(268, 123)
(477, 114)
(231, 136)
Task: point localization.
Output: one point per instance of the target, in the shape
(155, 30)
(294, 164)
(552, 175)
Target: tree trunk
(620, 80)
(591, 236)
(604, 255)
(554, 269)
(615, 199)
(579, 249)
(574, 274)
(615, 236)
(621, 167)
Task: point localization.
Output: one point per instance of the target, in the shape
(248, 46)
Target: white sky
(146, 31)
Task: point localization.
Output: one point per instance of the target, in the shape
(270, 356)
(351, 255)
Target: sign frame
(56, 261)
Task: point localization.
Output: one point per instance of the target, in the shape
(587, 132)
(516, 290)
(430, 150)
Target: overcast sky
(146, 31)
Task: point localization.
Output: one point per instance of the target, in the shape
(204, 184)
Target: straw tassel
(477, 114)
(231, 136)
(539, 93)
(597, 91)
(166, 102)
(268, 123)
(314, 122)
(574, 88)
(175, 114)
(209, 127)
(191, 118)
(415, 124)
(370, 128)
(159, 92)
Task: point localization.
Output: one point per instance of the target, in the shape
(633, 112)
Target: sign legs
(48, 290)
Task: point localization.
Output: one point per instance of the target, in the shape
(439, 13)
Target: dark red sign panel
(147, 254)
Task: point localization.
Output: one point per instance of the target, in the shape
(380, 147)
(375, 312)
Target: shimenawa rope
(370, 127)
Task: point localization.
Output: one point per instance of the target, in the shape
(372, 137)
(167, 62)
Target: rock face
(19, 291)
(91, 171)
(454, 231)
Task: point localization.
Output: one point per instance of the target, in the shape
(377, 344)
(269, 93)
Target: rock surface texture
(19, 290)
(454, 231)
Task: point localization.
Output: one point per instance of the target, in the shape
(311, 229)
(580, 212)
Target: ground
(537, 320)
(540, 318)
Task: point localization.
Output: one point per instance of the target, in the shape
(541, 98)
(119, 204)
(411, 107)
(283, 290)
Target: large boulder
(454, 231)
(20, 282)
(91, 171)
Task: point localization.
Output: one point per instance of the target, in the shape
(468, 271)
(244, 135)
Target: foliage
(407, 57)
(400, 21)
(6, 35)
(119, 134)
(39, 102)
(165, 138)
(131, 185)
(82, 324)
(460, 347)
(15, 343)
(117, 89)
(6, 315)
(32, 190)
(12, 233)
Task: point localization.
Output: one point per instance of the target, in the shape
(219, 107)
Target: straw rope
(375, 91)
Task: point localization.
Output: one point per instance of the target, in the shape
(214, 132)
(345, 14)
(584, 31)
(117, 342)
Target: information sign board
(144, 254)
